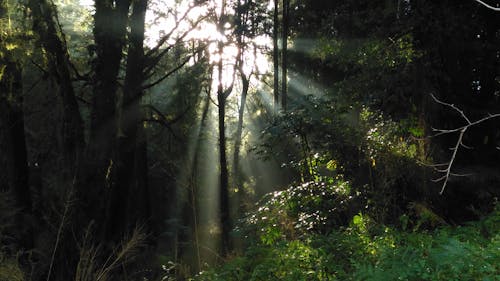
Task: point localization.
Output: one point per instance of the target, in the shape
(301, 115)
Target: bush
(312, 207)
(368, 251)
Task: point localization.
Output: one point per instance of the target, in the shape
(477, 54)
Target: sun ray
(305, 86)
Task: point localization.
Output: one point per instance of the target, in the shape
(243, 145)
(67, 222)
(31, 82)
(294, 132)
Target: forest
(252, 140)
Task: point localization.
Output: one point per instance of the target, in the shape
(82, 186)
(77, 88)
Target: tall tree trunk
(276, 54)
(99, 170)
(284, 55)
(56, 51)
(13, 161)
(225, 218)
(242, 14)
(128, 155)
(222, 95)
(52, 41)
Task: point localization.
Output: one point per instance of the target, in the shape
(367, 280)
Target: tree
(284, 54)
(112, 172)
(130, 156)
(222, 95)
(14, 160)
(52, 40)
(276, 54)
(98, 170)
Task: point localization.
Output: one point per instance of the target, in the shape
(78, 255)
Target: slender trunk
(284, 56)
(225, 218)
(242, 15)
(276, 55)
(238, 141)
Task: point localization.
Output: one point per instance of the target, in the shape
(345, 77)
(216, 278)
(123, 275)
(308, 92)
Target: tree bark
(122, 212)
(237, 142)
(284, 55)
(245, 81)
(99, 170)
(222, 95)
(225, 218)
(276, 54)
(45, 26)
(14, 159)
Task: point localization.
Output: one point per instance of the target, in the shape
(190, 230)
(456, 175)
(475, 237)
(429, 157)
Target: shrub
(312, 207)
(365, 250)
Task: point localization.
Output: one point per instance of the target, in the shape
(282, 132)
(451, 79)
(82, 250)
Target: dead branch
(168, 74)
(488, 6)
(447, 172)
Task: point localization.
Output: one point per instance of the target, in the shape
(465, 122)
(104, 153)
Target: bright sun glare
(161, 19)
(163, 15)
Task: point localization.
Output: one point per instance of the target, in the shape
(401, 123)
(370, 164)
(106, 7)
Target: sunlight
(305, 86)
(208, 189)
(163, 17)
(199, 179)
(87, 3)
(266, 175)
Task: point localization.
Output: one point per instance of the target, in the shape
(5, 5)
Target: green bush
(312, 207)
(368, 251)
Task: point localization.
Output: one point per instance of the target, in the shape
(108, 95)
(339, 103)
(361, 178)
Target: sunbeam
(305, 86)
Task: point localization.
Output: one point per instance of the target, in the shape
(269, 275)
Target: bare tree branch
(488, 6)
(158, 117)
(453, 107)
(166, 75)
(447, 171)
(154, 59)
(167, 36)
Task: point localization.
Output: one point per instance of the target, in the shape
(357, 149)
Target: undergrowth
(286, 244)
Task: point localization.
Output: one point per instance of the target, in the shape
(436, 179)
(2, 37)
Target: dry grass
(9, 267)
(91, 269)
(9, 270)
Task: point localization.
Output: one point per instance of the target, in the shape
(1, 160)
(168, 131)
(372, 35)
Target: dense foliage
(286, 245)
